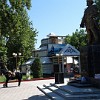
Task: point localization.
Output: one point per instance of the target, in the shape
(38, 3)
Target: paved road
(27, 91)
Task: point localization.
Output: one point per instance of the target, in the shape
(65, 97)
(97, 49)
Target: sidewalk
(27, 91)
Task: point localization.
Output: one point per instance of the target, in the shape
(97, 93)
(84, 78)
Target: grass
(3, 79)
(24, 77)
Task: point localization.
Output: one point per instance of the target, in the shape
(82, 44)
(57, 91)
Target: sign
(55, 48)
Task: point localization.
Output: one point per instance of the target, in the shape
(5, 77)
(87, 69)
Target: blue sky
(61, 17)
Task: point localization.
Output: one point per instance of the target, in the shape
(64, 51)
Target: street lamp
(59, 74)
(16, 55)
(62, 61)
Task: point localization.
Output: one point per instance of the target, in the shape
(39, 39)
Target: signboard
(55, 48)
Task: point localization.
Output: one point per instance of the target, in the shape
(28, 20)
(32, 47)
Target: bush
(37, 68)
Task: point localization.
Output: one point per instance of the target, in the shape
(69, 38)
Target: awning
(44, 60)
(29, 62)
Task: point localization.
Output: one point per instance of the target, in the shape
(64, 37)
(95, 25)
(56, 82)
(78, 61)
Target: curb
(35, 79)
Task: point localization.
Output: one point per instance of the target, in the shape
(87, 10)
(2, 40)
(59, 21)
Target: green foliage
(78, 39)
(2, 78)
(16, 29)
(3, 49)
(24, 77)
(37, 68)
(19, 4)
(22, 38)
(98, 5)
(8, 11)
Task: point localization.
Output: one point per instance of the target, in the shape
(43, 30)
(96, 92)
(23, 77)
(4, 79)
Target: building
(55, 54)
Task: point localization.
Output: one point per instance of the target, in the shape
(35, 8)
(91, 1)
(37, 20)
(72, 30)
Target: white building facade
(49, 48)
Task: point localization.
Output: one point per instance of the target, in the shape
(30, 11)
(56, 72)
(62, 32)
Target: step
(68, 91)
(57, 91)
(68, 96)
(74, 90)
(63, 92)
(50, 94)
(80, 85)
(79, 92)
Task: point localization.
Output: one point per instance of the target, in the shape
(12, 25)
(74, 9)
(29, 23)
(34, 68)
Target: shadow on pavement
(38, 97)
(9, 87)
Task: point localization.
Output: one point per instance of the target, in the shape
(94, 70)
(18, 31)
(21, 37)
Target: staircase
(67, 92)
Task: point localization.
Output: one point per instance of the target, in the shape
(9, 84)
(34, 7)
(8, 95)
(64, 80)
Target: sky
(61, 17)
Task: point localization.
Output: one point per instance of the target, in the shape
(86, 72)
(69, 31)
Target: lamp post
(16, 55)
(59, 75)
(62, 62)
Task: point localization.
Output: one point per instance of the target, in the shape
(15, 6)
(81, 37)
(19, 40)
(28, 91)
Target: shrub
(37, 68)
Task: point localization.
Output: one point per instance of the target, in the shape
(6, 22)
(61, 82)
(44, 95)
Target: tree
(37, 68)
(8, 10)
(78, 39)
(3, 49)
(22, 37)
(98, 5)
(16, 28)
